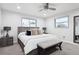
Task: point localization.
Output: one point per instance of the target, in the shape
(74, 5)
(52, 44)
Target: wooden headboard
(23, 29)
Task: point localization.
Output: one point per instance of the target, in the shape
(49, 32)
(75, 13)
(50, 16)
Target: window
(32, 23)
(25, 22)
(28, 22)
(62, 22)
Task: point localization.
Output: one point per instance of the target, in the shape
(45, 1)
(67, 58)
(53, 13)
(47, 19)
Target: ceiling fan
(46, 7)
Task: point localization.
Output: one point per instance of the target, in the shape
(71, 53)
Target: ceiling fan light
(44, 14)
(18, 7)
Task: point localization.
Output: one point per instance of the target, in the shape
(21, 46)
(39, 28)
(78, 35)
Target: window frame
(29, 22)
(59, 18)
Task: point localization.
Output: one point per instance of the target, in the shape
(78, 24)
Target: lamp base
(7, 35)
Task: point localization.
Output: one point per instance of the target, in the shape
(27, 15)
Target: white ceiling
(33, 8)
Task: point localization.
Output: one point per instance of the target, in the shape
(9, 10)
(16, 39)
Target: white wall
(65, 33)
(0, 17)
(0, 22)
(14, 20)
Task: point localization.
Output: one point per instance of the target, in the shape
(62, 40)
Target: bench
(43, 47)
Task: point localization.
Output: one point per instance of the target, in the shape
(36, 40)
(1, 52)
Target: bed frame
(23, 29)
(21, 44)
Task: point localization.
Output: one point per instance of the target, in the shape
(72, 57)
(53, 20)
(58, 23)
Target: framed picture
(62, 22)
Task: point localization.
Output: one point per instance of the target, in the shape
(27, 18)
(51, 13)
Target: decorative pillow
(34, 32)
(28, 33)
(39, 32)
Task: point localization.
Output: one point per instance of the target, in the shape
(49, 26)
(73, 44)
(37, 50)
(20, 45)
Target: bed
(29, 43)
(23, 29)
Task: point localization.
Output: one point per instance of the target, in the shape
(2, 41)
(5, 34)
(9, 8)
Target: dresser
(6, 41)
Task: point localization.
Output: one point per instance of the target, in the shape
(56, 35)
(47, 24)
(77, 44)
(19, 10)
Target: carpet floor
(68, 49)
(14, 49)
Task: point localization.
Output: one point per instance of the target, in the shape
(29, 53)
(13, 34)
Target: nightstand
(6, 41)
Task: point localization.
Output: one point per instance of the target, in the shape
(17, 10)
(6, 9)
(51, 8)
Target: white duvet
(31, 42)
(24, 38)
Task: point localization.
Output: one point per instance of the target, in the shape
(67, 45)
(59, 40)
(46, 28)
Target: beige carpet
(68, 49)
(11, 50)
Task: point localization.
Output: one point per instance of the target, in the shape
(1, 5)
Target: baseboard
(71, 43)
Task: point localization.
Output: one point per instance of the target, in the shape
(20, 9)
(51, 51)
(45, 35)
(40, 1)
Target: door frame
(74, 28)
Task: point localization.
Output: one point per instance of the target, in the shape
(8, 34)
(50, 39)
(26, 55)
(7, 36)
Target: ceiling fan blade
(47, 4)
(52, 9)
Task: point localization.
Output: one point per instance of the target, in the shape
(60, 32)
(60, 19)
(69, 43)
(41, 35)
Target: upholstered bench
(44, 46)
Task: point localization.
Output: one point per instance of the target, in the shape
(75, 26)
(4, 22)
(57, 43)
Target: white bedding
(24, 38)
(31, 42)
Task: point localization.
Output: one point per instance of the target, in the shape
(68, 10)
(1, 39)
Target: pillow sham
(34, 32)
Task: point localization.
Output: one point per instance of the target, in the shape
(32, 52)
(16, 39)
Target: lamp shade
(7, 28)
(44, 28)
